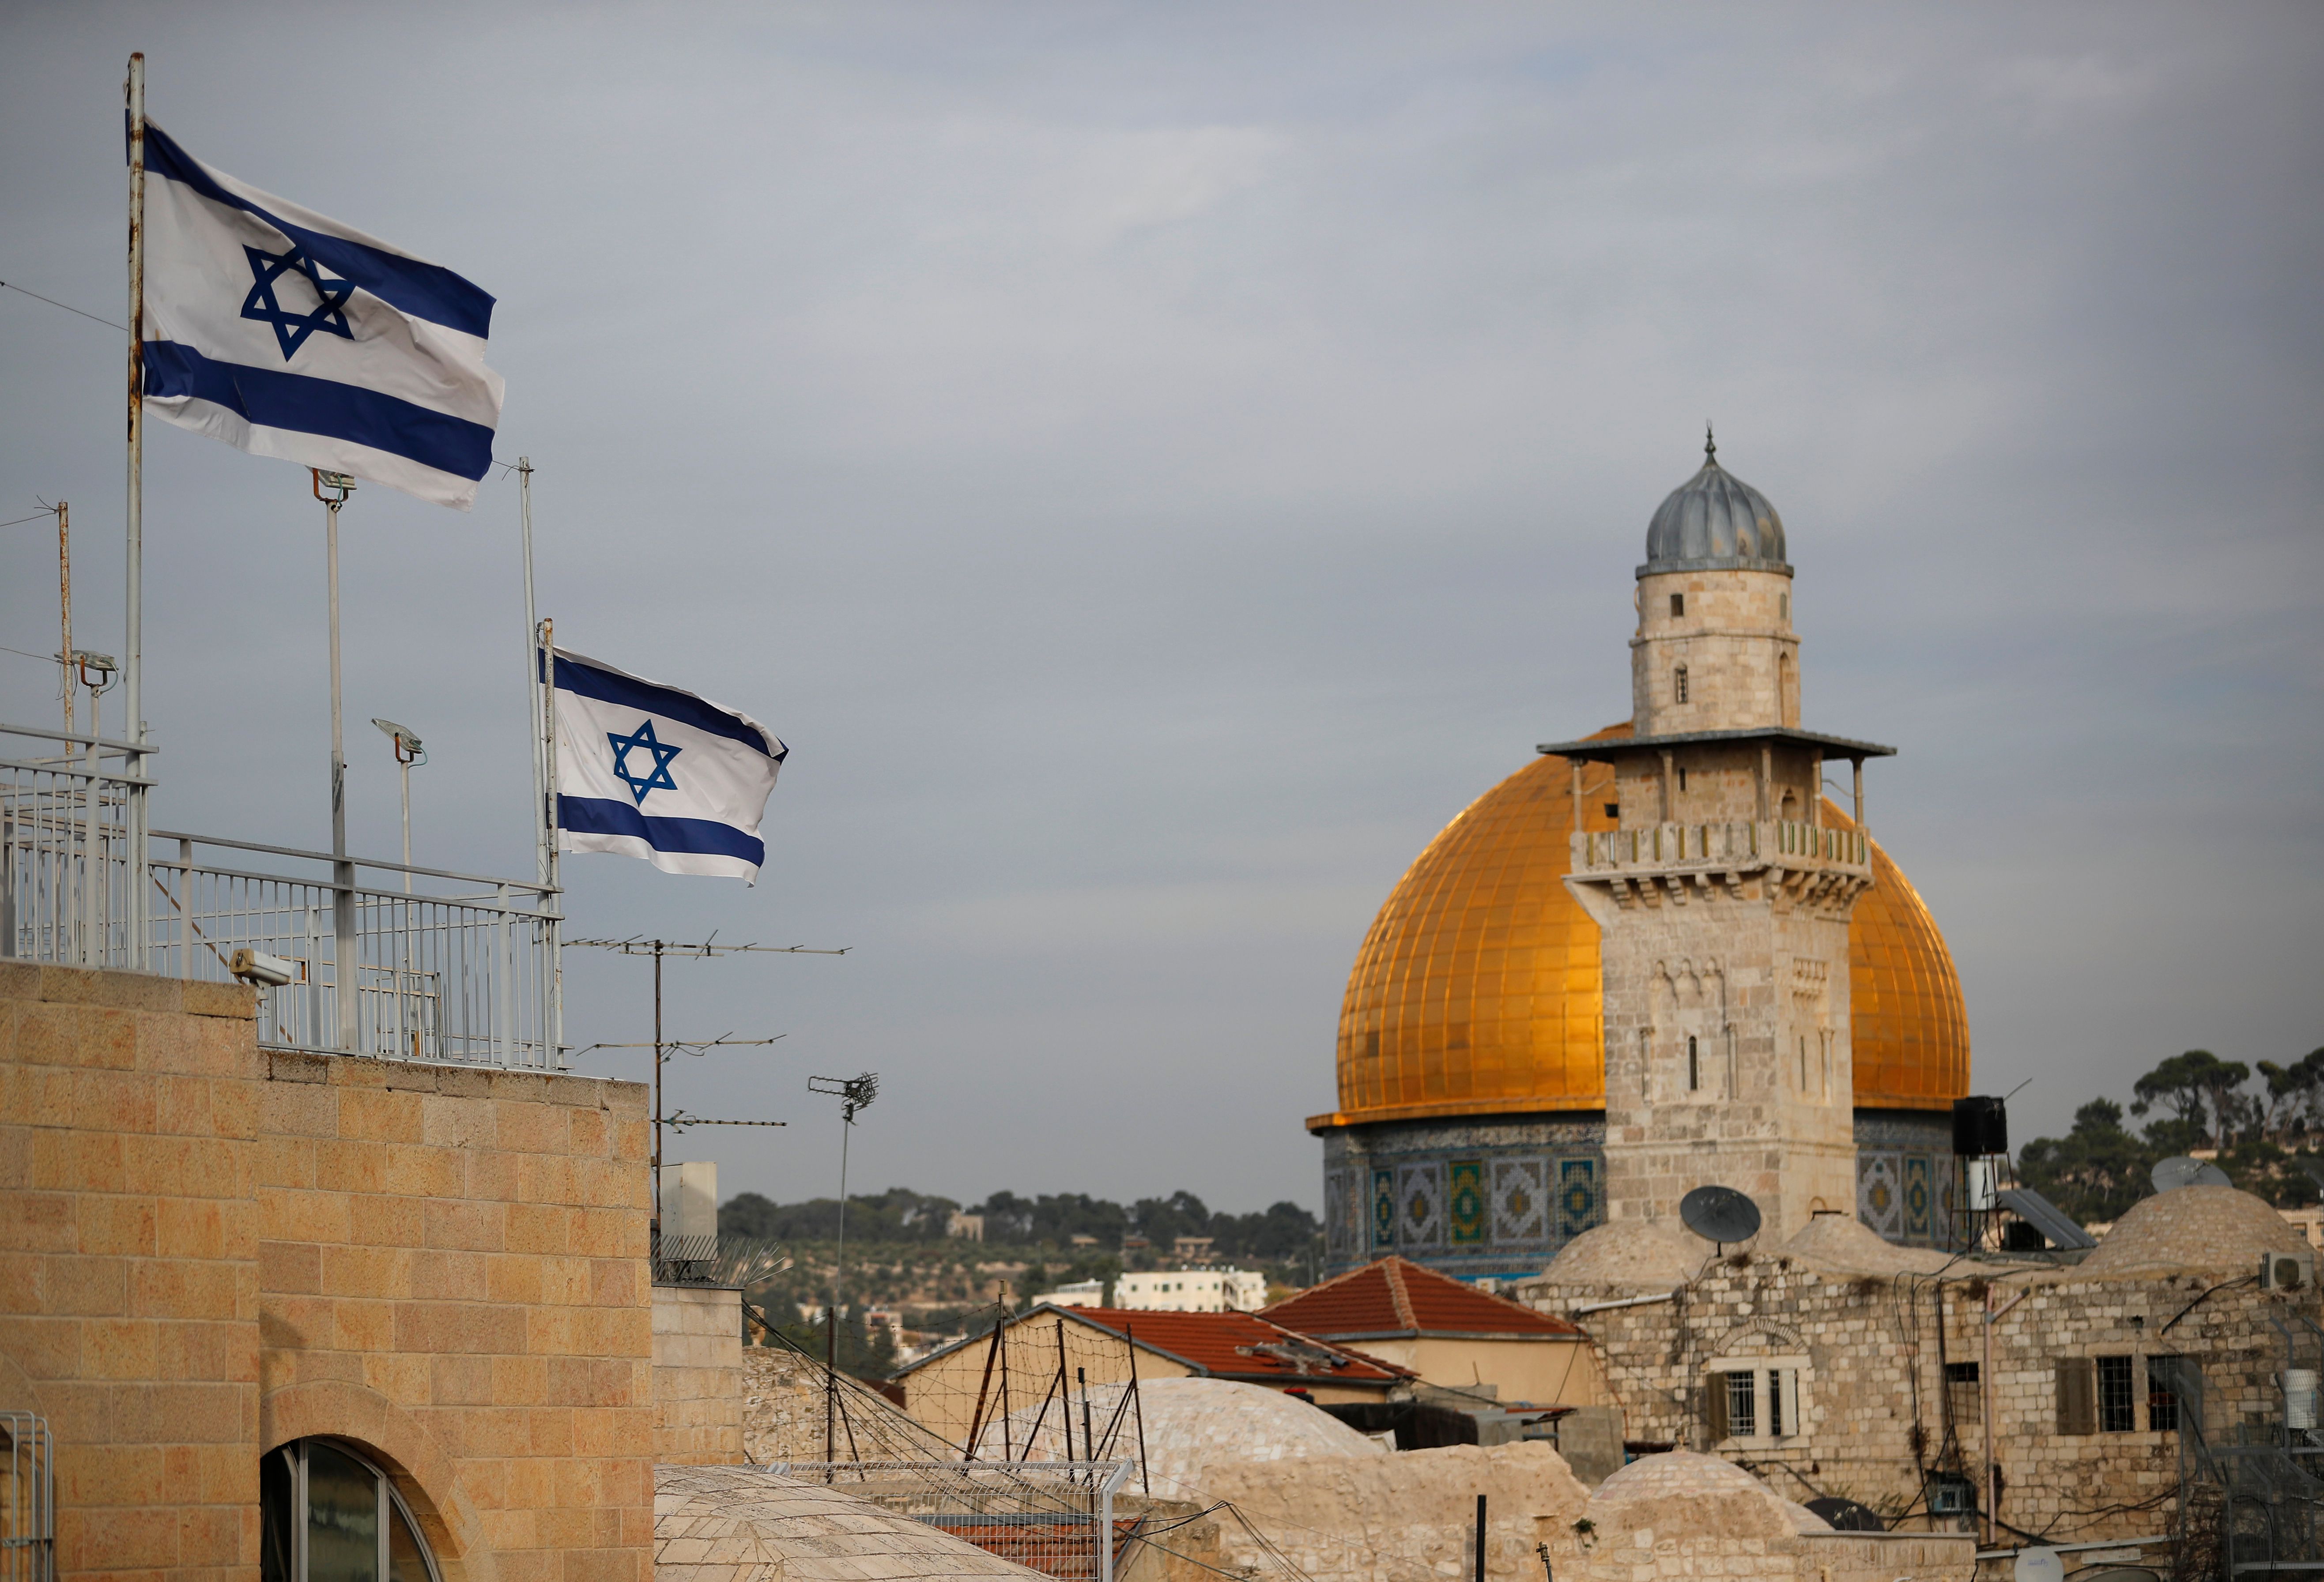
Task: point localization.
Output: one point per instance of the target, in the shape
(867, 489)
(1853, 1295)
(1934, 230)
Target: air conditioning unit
(2288, 1270)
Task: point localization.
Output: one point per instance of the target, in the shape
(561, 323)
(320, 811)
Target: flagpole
(133, 614)
(532, 679)
(344, 988)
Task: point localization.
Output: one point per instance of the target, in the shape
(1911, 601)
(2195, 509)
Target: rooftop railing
(1711, 844)
(426, 965)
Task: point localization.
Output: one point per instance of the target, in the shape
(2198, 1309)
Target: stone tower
(1723, 897)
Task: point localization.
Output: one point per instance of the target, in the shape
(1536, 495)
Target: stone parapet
(698, 1360)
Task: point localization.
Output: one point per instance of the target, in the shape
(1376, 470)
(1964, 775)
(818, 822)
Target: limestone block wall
(129, 1302)
(207, 1250)
(1875, 1410)
(698, 1385)
(452, 1268)
(1396, 1518)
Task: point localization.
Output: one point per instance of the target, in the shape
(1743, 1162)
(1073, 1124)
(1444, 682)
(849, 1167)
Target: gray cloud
(1158, 464)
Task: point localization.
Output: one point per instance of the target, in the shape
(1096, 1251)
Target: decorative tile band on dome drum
(1489, 1196)
(1908, 1186)
(1503, 1195)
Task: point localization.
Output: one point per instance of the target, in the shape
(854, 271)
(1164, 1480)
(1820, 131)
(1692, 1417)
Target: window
(1962, 1394)
(1694, 1066)
(1682, 779)
(1782, 606)
(2163, 1374)
(1678, 603)
(326, 1515)
(2118, 1403)
(2077, 1405)
(1614, 810)
(1678, 684)
(1804, 1062)
(1753, 1402)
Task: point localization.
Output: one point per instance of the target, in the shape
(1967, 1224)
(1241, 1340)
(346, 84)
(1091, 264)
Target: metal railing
(67, 836)
(1738, 842)
(28, 1498)
(1054, 1517)
(464, 971)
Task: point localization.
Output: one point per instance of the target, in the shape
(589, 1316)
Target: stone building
(252, 1290)
(1836, 1364)
(1654, 959)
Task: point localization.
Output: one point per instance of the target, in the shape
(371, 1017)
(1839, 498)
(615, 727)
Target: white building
(1080, 1294)
(1192, 1291)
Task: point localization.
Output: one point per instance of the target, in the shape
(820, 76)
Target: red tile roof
(1244, 1346)
(1397, 1297)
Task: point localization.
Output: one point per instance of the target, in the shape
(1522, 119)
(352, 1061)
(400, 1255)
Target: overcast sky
(1156, 465)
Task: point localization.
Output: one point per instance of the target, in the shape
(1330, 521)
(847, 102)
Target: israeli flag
(657, 772)
(288, 334)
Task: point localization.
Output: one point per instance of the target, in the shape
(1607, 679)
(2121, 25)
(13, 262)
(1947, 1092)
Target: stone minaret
(1723, 899)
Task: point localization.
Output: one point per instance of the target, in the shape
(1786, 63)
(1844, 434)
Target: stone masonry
(207, 1250)
(1878, 1411)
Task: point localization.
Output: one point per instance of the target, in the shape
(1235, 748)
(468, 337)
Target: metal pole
(133, 611)
(1481, 1538)
(838, 1288)
(64, 603)
(656, 1137)
(404, 764)
(343, 872)
(541, 819)
(1984, 1410)
(556, 938)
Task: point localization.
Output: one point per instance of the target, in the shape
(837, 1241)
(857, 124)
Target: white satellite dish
(2040, 1565)
(2171, 1174)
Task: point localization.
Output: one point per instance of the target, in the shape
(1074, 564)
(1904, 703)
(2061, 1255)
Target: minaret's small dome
(1715, 522)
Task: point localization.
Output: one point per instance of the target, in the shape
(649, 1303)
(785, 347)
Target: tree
(2097, 1170)
(2192, 1083)
(2295, 1093)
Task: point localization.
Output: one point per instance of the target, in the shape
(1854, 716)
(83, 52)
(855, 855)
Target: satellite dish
(2171, 1174)
(1847, 1516)
(2311, 1167)
(2040, 1565)
(1720, 1214)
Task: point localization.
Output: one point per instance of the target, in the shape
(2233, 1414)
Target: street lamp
(409, 752)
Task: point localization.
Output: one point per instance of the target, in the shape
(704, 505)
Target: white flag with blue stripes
(657, 772)
(289, 335)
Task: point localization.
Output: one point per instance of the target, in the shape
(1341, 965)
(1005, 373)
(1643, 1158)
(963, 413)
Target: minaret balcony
(1671, 864)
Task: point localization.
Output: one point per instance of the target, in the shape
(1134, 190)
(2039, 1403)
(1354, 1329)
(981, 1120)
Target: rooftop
(1243, 1346)
(1396, 1297)
(1604, 748)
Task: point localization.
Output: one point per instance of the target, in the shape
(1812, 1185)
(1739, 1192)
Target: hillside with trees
(2258, 1121)
(902, 1257)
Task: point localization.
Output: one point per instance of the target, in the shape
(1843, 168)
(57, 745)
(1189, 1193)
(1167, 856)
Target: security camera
(258, 967)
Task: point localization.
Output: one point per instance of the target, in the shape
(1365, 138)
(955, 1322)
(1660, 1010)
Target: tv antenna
(664, 1047)
(1720, 1214)
(855, 1094)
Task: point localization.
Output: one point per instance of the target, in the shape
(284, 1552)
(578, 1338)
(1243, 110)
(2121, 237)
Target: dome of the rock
(1477, 991)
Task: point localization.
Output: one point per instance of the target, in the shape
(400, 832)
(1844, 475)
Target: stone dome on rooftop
(2199, 1229)
(1715, 520)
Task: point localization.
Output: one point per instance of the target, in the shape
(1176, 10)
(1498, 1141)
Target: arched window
(328, 1515)
(1694, 1066)
(1678, 684)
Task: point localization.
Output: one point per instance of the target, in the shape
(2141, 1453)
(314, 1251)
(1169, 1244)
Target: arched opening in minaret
(1678, 684)
(1791, 807)
(1694, 1066)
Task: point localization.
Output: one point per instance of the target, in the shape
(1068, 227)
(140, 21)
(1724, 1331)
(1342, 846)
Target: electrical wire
(38, 516)
(67, 307)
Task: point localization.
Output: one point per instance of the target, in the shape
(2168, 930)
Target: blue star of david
(291, 329)
(642, 740)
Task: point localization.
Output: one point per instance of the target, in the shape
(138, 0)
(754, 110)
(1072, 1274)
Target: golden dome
(1477, 991)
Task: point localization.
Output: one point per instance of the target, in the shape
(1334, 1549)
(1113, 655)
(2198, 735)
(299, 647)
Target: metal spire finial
(1709, 447)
